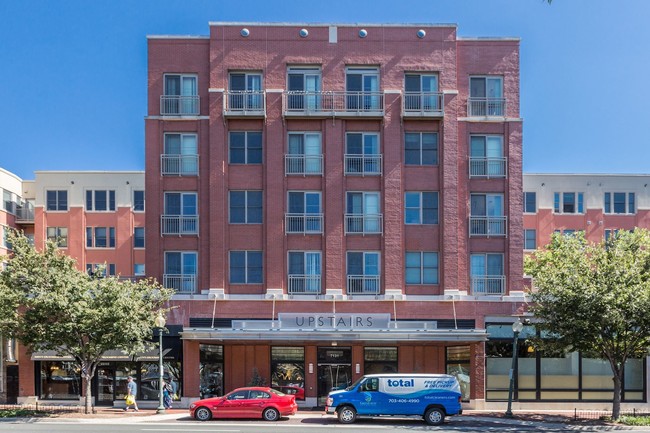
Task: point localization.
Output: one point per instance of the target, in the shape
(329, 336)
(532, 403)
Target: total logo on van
(402, 383)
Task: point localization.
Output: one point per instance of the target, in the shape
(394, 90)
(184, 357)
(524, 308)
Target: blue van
(431, 396)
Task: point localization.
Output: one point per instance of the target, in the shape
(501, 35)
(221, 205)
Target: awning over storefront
(110, 355)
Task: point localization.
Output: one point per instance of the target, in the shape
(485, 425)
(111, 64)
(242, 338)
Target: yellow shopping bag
(130, 400)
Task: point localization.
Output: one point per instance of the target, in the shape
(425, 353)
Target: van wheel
(347, 415)
(434, 416)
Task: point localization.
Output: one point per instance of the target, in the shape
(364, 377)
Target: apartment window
(100, 237)
(486, 215)
(304, 153)
(246, 267)
(181, 214)
(180, 96)
(421, 208)
(7, 201)
(138, 237)
(362, 88)
(362, 153)
(530, 239)
(304, 272)
(363, 272)
(245, 91)
(138, 269)
(180, 157)
(100, 200)
(107, 269)
(304, 214)
(246, 147)
(180, 271)
(421, 267)
(363, 213)
(530, 202)
(568, 202)
(486, 96)
(421, 148)
(56, 200)
(58, 235)
(138, 201)
(245, 207)
(487, 275)
(421, 92)
(304, 86)
(486, 156)
(620, 202)
(610, 233)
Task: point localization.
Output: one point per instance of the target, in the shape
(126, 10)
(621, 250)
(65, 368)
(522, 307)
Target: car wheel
(271, 414)
(347, 415)
(203, 414)
(434, 416)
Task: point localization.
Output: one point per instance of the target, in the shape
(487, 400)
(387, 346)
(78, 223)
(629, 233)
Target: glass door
(105, 384)
(334, 370)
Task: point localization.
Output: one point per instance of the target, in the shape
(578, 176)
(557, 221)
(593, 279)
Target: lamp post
(516, 329)
(159, 323)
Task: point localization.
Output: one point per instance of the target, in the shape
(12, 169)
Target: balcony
(181, 283)
(489, 168)
(240, 103)
(332, 104)
(487, 226)
(304, 165)
(304, 284)
(363, 285)
(488, 285)
(179, 165)
(173, 105)
(486, 107)
(24, 215)
(179, 225)
(422, 105)
(363, 224)
(306, 224)
(363, 165)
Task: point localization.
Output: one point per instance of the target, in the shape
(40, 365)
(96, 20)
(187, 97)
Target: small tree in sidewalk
(48, 304)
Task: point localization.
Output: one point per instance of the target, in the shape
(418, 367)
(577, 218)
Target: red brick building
(334, 200)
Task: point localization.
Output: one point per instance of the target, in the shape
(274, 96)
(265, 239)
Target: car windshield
(276, 392)
(354, 385)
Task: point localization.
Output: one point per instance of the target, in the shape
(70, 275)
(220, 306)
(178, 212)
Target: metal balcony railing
(179, 165)
(314, 103)
(24, 214)
(244, 103)
(487, 226)
(488, 285)
(304, 284)
(486, 107)
(181, 283)
(363, 285)
(422, 104)
(363, 165)
(363, 224)
(488, 167)
(303, 164)
(173, 105)
(179, 225)
(303, 223)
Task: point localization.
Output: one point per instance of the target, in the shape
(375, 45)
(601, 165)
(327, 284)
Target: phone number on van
(403, 400)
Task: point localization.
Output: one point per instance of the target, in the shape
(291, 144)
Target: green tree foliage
(48, 304)
(595, 298)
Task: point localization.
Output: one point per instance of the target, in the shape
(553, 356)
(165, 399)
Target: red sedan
(256, 402)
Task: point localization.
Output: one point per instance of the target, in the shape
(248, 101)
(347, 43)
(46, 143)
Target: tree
(48, 304)
(594, 298)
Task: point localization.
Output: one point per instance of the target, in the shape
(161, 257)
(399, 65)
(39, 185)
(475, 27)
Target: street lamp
(516, 329)
(159, 323)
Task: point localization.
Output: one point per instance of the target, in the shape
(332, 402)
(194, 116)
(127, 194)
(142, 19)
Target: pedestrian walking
(131, 392)
(167, 395)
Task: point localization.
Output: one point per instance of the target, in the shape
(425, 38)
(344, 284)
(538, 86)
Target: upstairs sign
(333, 321)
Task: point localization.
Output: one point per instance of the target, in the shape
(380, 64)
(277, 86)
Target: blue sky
(73, 73)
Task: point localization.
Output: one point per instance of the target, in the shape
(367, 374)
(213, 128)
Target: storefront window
(458, 358)
(288, 370)
(149, 378)
(211, 370)
(60, 380)
(122, 371)
(380, 360)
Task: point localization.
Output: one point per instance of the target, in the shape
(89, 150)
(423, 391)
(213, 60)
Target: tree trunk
(616, 404)
(88, 407)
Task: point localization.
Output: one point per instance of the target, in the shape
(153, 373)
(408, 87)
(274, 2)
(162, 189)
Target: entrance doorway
(105, 385)
(334, 370)
(12, 384)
